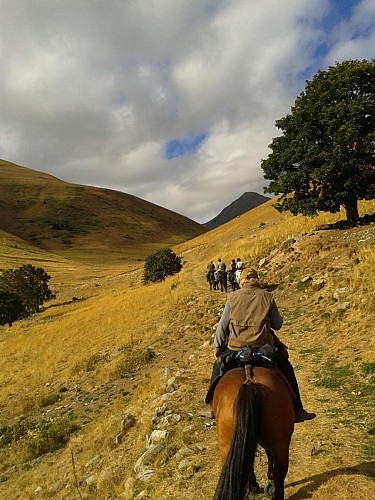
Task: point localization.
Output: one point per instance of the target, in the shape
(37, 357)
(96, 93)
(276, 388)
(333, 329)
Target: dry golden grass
(83, 345)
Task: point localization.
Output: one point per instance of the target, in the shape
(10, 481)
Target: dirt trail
(325, 458)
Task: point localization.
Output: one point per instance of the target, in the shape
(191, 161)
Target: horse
(223, 281)
(252, 405)
(212, 280)
(238, 277)
(232, 280)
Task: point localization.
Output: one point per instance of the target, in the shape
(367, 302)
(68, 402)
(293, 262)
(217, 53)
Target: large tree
(11, 308)
(30, 284)
(325, 157)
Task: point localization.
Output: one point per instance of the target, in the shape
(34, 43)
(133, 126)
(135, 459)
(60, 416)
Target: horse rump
(236, 474)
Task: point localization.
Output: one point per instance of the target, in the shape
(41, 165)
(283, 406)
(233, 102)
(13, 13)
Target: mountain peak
(247, 201)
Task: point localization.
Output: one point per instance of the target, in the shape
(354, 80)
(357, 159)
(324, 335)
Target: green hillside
(79, 221)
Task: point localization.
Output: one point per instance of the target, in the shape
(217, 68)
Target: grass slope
(82, 221)
(69, 374)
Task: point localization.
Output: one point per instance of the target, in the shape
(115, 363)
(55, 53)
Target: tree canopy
(160, 264)
(11, 308)
(325, 157)
(29, 284)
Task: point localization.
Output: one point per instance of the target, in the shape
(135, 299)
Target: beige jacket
(248, 319)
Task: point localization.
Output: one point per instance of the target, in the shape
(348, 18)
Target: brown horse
(252, 405)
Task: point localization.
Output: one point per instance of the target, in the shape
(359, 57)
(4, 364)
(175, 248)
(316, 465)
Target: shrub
(133, 358)
(161, 264)
(51, 436)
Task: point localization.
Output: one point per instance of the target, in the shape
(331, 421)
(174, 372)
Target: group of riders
(218, 277)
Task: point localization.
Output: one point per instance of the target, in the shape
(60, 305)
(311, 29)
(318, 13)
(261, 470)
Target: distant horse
(223, 280)
(232, 280)
(238, 277)
(212, 280)
(252, 405)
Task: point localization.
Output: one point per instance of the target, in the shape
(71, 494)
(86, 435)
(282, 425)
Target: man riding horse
(222, 275)
(248, 320)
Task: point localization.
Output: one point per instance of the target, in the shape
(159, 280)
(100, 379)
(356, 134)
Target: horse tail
(235, 475)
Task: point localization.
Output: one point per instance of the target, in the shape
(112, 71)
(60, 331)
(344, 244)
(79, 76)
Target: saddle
(263, 356)
(254, 356)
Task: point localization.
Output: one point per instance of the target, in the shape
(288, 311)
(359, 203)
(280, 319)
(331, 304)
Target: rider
(221, 265)
(210, 266)
(239, 265)
(248, 319)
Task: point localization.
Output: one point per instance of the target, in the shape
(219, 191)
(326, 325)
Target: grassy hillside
(82, 221)
(142, 355)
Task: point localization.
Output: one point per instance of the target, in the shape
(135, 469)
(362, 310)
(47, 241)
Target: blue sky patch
(183, 146)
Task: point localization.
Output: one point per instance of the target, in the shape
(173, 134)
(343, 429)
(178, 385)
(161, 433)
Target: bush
(51, 436)
(161, 264)
(133, 358)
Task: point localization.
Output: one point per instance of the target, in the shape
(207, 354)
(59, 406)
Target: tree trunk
(352, 215)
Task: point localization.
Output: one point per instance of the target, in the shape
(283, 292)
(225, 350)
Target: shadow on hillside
(66, 303)
(314, 482)
(342, 224)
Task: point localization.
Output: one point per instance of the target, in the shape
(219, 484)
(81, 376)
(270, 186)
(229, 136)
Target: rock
(127, 422)
(188, 429)
(169, 420)
(156, 437)
(169, 389)
(206, 344)
(187, 469)
(145, 475)
(91, 480)
(37, 490)
(287, 245)
(183, 453)
(199, 448)
(262, 262)
(306, 278)
(161, 410)
(166, 373)
(148, 456)
(118, 439)
(344, 306)
(318, 284)
(340, 291)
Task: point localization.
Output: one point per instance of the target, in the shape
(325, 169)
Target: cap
(252, 274)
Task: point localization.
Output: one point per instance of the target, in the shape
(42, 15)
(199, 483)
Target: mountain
(62, 217)
(243, 204)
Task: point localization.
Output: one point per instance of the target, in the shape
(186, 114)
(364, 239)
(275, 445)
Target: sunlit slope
(84, 346)
(254, 233)
(74, 219)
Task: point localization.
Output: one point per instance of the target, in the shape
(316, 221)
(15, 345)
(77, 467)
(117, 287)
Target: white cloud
(93, 91)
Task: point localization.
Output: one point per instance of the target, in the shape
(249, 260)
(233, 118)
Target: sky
(173, 101)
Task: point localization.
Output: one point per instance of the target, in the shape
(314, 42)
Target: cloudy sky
(174, 101)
